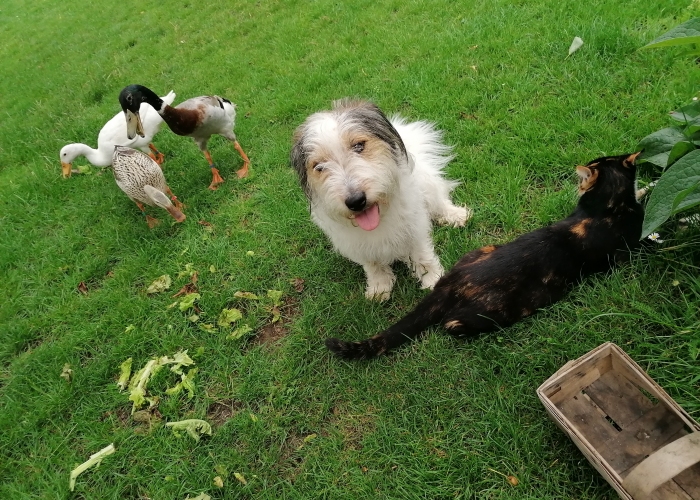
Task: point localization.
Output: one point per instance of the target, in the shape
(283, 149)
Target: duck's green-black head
(130, 99)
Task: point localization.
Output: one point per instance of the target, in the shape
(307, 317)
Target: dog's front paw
(456, 216)
(380, 281)
(378, 295)
(429, 279)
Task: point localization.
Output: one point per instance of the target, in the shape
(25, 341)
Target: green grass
(431, 421)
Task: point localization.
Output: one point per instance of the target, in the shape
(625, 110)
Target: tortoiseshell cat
(495, 286)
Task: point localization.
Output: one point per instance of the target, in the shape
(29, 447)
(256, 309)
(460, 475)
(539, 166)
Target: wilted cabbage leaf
(239, 332)
(275, 295)
(194, 427)
(186, 382)
(137, 386)
(67, 373)
(139, 382)
(178, 360)
(246, 295)
(188, 301)
(240, 477)
(189, 271)
(201, 496)
(160, 284)
(125, 368)
(94, 459)
(229, 316)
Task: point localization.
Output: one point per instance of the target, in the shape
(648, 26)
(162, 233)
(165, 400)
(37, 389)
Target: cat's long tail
(405, 330)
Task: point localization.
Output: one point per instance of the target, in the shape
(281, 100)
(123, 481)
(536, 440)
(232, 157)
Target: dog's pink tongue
(369, 219)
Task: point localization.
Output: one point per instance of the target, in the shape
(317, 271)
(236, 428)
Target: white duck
(114, 133)
(140, 177)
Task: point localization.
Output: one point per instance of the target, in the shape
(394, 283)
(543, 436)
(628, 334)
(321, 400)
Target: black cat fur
(496, 286)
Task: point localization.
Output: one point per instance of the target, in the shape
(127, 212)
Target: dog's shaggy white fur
(374, 185)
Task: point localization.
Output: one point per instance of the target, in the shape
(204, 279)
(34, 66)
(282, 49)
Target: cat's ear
(587, 177)
(631, 160)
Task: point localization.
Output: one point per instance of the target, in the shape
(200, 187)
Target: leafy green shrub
(675, 149)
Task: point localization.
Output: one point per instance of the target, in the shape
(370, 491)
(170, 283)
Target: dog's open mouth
(368, 219)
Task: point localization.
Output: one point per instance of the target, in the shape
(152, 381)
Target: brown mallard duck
(142, 179)
(198, 117)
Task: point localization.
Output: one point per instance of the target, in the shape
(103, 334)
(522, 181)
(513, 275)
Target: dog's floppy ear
(298, 157)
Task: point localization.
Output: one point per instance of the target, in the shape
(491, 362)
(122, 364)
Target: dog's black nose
(356, 202)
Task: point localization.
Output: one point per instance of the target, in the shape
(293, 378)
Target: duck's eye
(318, 167)
(358, 147)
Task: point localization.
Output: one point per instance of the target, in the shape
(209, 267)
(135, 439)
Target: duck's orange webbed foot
(216, 179)
(243, 172)
(157, 156)
(152, 221)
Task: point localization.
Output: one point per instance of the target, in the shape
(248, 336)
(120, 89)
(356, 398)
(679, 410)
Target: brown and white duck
(198, 117)
(142, 179)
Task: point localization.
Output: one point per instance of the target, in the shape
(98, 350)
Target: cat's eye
(358, 147)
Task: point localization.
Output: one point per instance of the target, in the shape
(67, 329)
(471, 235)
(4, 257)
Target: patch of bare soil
(219, 412)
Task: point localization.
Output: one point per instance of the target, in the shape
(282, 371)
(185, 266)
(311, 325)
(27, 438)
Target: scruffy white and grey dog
(374, 185)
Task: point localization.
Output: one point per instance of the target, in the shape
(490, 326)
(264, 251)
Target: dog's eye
(358, 147)
(318, 167)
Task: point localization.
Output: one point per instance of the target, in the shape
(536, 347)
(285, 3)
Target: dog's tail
(427, 313)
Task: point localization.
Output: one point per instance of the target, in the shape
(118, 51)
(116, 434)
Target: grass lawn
(440, 418)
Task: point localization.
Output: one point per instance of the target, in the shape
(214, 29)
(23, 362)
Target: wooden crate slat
(619, 398)
(645, 435)
(600, 433)
(670, 491)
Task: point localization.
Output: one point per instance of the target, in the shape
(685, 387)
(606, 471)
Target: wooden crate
(629, 429)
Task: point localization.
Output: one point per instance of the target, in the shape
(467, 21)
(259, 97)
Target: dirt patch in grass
(219, 412)
(272, 333)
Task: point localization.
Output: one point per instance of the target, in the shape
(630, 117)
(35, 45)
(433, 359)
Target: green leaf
(229, 316)
(245, 295)
(160, 284)
(189, 270)
(125, 368)
(656, 147)
(673, 187)
(679, 150)
(686, 113)
(239, 332)
(275, 295)
(194, 427)
(683, 34)
(691, 198)
(186, 382)
(95, 460)
(188, 301)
